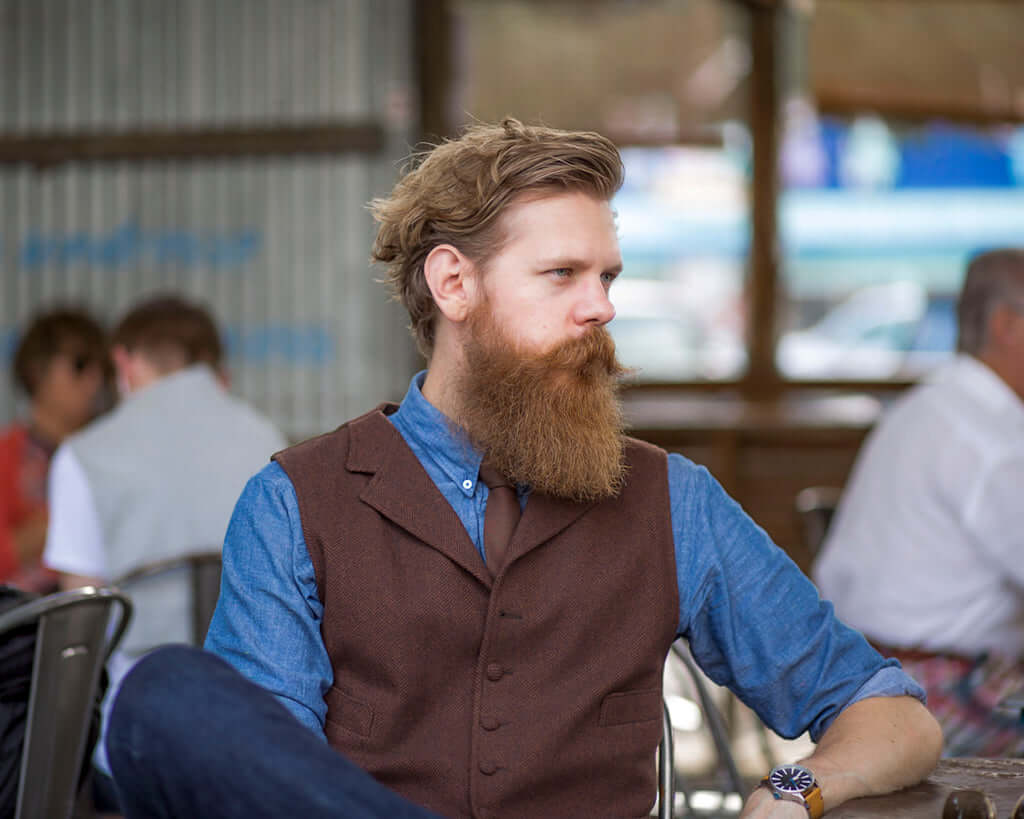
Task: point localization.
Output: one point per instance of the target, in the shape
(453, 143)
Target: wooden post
(762, 380)
(434, 43)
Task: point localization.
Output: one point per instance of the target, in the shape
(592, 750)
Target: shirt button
(467, 484)
(490, 724)
(495, 672)
(488, 768)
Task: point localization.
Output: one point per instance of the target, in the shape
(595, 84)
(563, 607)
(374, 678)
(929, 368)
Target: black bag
(17, 652)
(17, 649)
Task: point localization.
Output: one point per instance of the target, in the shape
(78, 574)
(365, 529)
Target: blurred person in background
(60, 363)
(158, 476)
(926, 554)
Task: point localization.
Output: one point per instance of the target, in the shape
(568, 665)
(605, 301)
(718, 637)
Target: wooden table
(1002, 779)
(762, 452)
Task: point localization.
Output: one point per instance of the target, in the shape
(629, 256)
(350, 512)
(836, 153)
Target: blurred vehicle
(658, 332)
(881, 331)
(653, 333)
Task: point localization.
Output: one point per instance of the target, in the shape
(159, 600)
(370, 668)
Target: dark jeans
(190, 737)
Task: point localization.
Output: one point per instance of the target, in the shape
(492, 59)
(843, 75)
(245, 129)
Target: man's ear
(132, 368)
(1003, 325)
(122, 361)
(452, 280)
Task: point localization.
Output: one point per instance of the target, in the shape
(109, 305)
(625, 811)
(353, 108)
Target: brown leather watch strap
(815, 802)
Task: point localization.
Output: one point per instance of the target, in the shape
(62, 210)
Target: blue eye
(561, 272)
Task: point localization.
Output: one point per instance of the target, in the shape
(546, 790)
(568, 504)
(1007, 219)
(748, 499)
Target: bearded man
(471, 595)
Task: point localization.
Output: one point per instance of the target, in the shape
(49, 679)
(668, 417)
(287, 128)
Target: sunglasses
(80, 362)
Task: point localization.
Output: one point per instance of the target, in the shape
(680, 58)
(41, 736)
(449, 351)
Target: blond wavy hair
(456, 192)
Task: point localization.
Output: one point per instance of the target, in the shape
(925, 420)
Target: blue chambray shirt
(754, 622)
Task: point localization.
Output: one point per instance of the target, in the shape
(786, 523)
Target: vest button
(495, 672)
(488, 768)
(490, 724)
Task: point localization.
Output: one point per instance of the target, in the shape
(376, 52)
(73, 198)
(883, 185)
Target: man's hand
(762, 805)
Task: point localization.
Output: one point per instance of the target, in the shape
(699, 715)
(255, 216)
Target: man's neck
(1005, 367)
(439, 385)
(51, 426)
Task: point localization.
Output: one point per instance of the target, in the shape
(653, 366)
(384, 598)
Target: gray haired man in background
(926, 555)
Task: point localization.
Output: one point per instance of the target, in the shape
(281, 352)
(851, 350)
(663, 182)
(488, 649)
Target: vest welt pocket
(348, 712)
(625, 707)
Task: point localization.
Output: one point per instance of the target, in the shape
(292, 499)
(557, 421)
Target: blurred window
(877, 223)
(683, 217)
(876, 219)
(639, 71)
(659, 77)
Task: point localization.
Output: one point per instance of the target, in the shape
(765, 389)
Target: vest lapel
(403, 492)
(543, 518)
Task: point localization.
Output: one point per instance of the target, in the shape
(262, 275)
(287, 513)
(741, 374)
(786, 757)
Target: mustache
(589, 357)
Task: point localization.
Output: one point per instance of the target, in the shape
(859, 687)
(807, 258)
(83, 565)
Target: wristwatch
(796, 784)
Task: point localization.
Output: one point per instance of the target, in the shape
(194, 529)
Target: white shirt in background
(74, 538)
(927, 547)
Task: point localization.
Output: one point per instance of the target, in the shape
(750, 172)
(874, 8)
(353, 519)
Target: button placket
(494, 754)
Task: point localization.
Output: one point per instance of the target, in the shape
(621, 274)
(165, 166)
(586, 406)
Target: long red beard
(552, 421)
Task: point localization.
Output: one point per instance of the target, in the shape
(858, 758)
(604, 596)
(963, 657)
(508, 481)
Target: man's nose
(594, 306)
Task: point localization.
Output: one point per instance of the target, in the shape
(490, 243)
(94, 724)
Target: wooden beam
(762, 379)
(915, 109)
(710, 137)
(321, 138)
(791, 386)
(434, 23)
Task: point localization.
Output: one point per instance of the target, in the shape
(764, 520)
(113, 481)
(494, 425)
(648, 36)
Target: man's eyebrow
(569, 261)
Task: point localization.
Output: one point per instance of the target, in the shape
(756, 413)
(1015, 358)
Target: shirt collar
(430, 433)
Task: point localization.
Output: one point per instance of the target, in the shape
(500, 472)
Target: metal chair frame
(73, 642)
(204, 576)
(666, 767)
(815, 507)
(713, 717)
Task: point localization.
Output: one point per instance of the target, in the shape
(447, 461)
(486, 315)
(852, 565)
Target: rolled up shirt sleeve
(757, 625)
(267, 621)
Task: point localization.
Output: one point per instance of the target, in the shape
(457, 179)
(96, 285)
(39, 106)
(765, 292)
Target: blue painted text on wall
(128, 247)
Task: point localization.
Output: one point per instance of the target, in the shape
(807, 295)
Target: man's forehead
(559, 220)
(534, 201)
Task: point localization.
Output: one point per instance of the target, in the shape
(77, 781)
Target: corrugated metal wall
(276, 247)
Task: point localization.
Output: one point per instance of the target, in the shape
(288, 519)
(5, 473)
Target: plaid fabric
(964, 695)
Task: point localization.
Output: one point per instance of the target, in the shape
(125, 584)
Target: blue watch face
(791, 779)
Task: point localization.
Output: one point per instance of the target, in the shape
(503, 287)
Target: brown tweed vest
(535, 694)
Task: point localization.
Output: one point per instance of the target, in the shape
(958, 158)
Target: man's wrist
(798, 784)
(761, 802)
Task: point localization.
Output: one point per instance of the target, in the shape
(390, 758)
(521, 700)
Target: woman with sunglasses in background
(61, 364)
